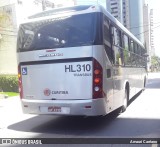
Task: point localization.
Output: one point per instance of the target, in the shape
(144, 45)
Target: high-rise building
(125, 14)
(146, 26)
(146, 20)
(115, 8)
(136, 18)
(129, 13)
(152, 32)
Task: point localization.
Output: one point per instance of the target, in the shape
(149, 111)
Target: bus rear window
(71, 31)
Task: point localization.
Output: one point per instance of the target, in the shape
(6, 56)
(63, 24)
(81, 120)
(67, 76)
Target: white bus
(78, 61)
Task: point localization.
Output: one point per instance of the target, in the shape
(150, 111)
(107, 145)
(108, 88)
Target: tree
(155, 63)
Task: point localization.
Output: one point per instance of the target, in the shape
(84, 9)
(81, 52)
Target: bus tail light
(20, 82)
(97, 80)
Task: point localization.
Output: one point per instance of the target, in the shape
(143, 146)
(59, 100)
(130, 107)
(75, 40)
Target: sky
(154, 4)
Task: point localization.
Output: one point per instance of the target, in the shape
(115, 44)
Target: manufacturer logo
(51, 55)
(47, 92)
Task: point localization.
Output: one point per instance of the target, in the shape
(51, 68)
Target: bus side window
(107, 39)
(131, 46)
(117, 46)
(126, 52)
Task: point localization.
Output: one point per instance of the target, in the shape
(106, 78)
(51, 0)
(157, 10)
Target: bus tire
(144, 84)
(125, 101)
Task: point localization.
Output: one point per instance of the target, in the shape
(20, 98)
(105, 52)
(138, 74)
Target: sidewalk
(2, 96)
(8, 101)
(10, 109)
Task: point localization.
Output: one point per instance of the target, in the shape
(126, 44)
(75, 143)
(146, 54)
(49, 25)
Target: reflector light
(20, 82)
(19, 75)
(96, 88)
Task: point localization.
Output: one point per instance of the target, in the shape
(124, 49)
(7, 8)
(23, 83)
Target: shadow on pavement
(71, 125)
(112, 125)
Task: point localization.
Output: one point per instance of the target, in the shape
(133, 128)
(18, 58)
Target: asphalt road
(141, 120)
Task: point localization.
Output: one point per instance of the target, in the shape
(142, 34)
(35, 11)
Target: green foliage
(155, 60)
(155, 63)
(10, 94)
(9, 83)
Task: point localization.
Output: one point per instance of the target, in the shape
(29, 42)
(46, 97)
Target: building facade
(115, 7)
(146, 20)
(129, 13)
(12, 13)
(125, 13)
(8, 33)
(136, 18)
(152, 33)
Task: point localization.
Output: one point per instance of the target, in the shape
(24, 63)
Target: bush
(9, 83)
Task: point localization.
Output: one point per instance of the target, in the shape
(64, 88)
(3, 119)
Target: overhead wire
(143, 25)
(146, 31)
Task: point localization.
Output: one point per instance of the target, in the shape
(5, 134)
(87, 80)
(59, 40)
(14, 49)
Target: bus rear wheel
(125, 101)
(144, 85)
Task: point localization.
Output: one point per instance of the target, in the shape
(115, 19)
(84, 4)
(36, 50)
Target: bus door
(118, 62)
(109, 87)
(108, 84)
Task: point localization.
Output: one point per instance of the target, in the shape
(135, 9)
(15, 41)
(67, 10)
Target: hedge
(9, 83)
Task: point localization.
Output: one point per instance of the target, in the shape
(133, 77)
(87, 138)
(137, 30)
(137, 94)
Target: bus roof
(60, 11)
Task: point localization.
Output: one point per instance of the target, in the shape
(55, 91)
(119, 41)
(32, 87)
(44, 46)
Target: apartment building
(152, 33)
(129, 13)
(115, 8)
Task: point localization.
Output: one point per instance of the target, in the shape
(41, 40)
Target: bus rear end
(58, 73)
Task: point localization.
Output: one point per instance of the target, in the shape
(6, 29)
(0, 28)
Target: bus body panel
(100, 55)
(77, 86)
(65, 107)
(69, 80)
(64, 77)
(55, 53)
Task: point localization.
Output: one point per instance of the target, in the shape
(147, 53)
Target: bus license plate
(54, 109)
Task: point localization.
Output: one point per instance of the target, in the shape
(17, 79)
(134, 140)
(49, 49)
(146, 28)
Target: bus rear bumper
(65, 107)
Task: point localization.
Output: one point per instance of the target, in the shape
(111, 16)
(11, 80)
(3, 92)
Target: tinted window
(117, 43)
(71, 31)
(127, 55)
(107, 39)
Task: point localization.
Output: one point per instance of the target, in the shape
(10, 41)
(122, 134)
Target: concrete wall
(12, 13)
(8, 31)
